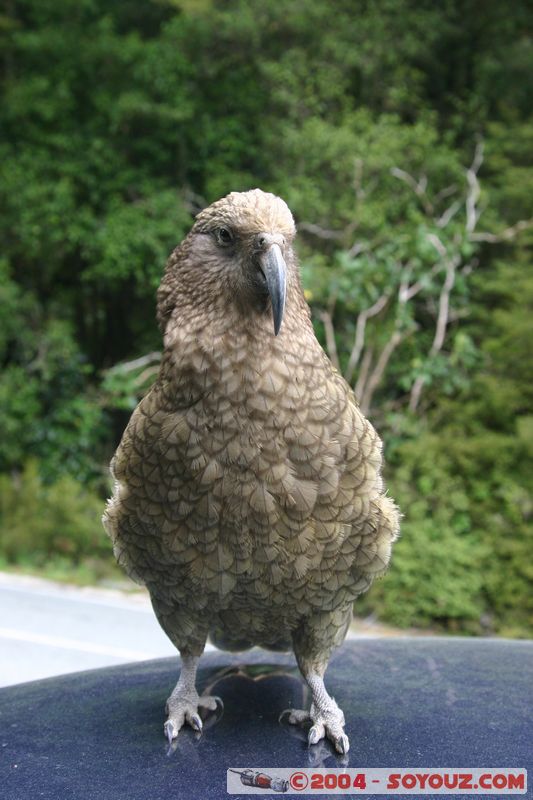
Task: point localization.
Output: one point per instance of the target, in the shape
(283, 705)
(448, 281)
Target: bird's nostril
(264, 240)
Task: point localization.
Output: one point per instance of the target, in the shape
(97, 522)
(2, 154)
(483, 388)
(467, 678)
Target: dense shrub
(42, 525)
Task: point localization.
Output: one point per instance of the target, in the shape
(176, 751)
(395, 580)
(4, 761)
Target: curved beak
(275, 272)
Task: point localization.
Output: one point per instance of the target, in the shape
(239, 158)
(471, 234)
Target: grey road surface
(49, 629)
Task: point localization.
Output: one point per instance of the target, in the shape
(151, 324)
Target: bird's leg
(184, 702)
(313, 643)
(326, 718)
(189, 634)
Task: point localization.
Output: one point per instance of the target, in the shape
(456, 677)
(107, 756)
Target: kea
(248, 495)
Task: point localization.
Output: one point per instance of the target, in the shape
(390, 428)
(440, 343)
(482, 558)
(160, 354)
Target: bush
(463, 561)
(41, 523)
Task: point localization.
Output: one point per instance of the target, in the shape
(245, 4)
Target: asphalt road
(49, 629)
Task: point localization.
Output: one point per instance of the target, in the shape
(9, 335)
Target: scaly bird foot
(183, 708)
(325, 721)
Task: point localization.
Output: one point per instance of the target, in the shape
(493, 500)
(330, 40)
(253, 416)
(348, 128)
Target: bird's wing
(150, 469)
(346, 535)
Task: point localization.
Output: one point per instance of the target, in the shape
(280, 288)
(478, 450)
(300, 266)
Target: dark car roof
(408, 703)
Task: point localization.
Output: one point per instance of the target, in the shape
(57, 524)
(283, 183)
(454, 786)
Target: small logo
(260, 780)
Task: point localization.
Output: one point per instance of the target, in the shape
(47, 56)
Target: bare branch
(357, 248)
(404, 176)
(416, 391)
(505, 235)
(147, 374)
(472, 197)
(444, 305)
(448, 261)
(437, 244)
(448, 215)
(406, 292)
(318, 230)
(443, 315)
(444, 193)
(129, 366)
(329, 330)
(360, 329)
(363, 372)
(478, 157)
(379, 369)
(419, 187)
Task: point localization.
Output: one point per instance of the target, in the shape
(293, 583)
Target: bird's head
(241, 248)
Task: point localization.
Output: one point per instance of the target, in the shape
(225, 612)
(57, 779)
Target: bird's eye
(224, 236)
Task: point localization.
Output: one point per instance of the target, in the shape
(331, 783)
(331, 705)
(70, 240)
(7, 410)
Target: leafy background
(400, 134)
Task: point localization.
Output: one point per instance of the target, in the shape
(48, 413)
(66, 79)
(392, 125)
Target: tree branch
(406, 292)
(419, 187)
(129, 366)
(444, 305)
(363, 373)
(443, 314)
(318, 230)
(357, 248)
(379, 369)
(472, 196)
(505, 235)
(146, 374)
(448, 215)
(360, 329)
(444, 193)
(331, 344)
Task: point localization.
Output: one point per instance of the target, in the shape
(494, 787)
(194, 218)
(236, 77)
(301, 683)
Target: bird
(248, 495)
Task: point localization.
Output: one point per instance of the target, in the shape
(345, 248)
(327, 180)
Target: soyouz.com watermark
(459, 781)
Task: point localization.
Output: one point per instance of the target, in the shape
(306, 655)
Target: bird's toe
(333, 723)
(342, 744)
(294, 716)
(171, 730)
(328, 722)
(316, 733)
(194, 721)
(184, 709)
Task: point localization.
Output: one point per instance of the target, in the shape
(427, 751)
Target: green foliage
(120, 120)
(463, 559)
(135, 240)
(464, 482)
(440, 561)
(48, 410)
(54, 523)
(125, 383)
